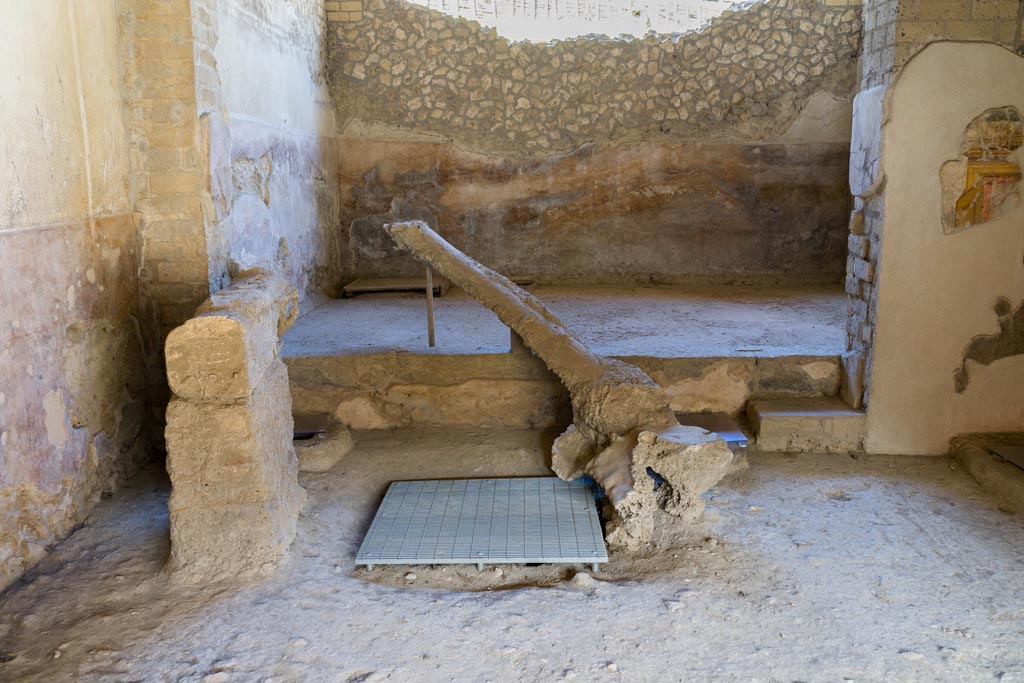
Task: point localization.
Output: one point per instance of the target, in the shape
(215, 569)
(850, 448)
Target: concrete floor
(806, 568)
(668, 322)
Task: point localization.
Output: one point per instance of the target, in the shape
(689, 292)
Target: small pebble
(410, 577)
(612, 666)
(498, 572)
(583, 580)
(224, 664)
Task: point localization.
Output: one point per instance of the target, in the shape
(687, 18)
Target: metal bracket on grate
(485, 521)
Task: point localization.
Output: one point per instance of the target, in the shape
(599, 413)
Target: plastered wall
(149, 150)
(73, 356)
(273, 158)
(894, 31)
(715, 156)
(936, 291)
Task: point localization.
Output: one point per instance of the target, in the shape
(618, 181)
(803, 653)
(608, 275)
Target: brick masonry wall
(894, 31)
(167, 168)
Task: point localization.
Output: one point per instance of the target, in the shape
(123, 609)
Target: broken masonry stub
(982, 184)
(235, 495)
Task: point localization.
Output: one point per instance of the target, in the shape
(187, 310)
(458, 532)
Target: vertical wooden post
(517, 345)
(430, 307)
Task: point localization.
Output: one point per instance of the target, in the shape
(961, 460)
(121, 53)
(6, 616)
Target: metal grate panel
(485, 521)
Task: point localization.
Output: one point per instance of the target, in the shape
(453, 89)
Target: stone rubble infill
(747, 73)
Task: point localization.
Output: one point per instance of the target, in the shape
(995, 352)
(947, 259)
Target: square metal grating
(485, 521)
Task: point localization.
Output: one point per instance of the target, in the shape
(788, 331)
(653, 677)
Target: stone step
(388, 390)
(807, 425)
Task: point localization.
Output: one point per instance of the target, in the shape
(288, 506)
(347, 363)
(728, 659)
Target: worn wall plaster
(282, 198)
(73, 360)
(641, 211)
(936, 290)
(713, 156)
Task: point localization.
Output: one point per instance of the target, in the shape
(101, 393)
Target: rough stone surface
(613, 402)
(1004, 479)
(671, 469)
(816, 425)
(391, 390)
(324, 451)
(226, 349)
(235, 497)
(747, 72)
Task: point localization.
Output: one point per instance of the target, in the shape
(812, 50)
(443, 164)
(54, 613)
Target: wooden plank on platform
(393, 284)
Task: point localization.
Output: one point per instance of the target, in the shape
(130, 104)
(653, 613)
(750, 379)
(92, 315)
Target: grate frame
(535, 520)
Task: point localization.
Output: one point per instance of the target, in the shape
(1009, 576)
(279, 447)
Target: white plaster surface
(824, 118)
(272, 83)
(268, 61)
(936, 291)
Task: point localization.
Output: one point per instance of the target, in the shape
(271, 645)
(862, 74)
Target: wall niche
(982, 184)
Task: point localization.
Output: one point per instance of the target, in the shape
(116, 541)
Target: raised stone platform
(620, 320)
(713, 349)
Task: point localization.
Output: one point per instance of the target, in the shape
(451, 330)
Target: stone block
(996, 475)
(808, 425)
(863, 269)
(995, 9)
(943, 9)
(230, 344)
(225, 541)
(238, 453)
(970, 30)
(857, 222)
(235, 497)
(853, 286)
(852, 388)
(865, 140)
(858, 245)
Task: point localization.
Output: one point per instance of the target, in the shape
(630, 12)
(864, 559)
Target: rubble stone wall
(744, 75)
